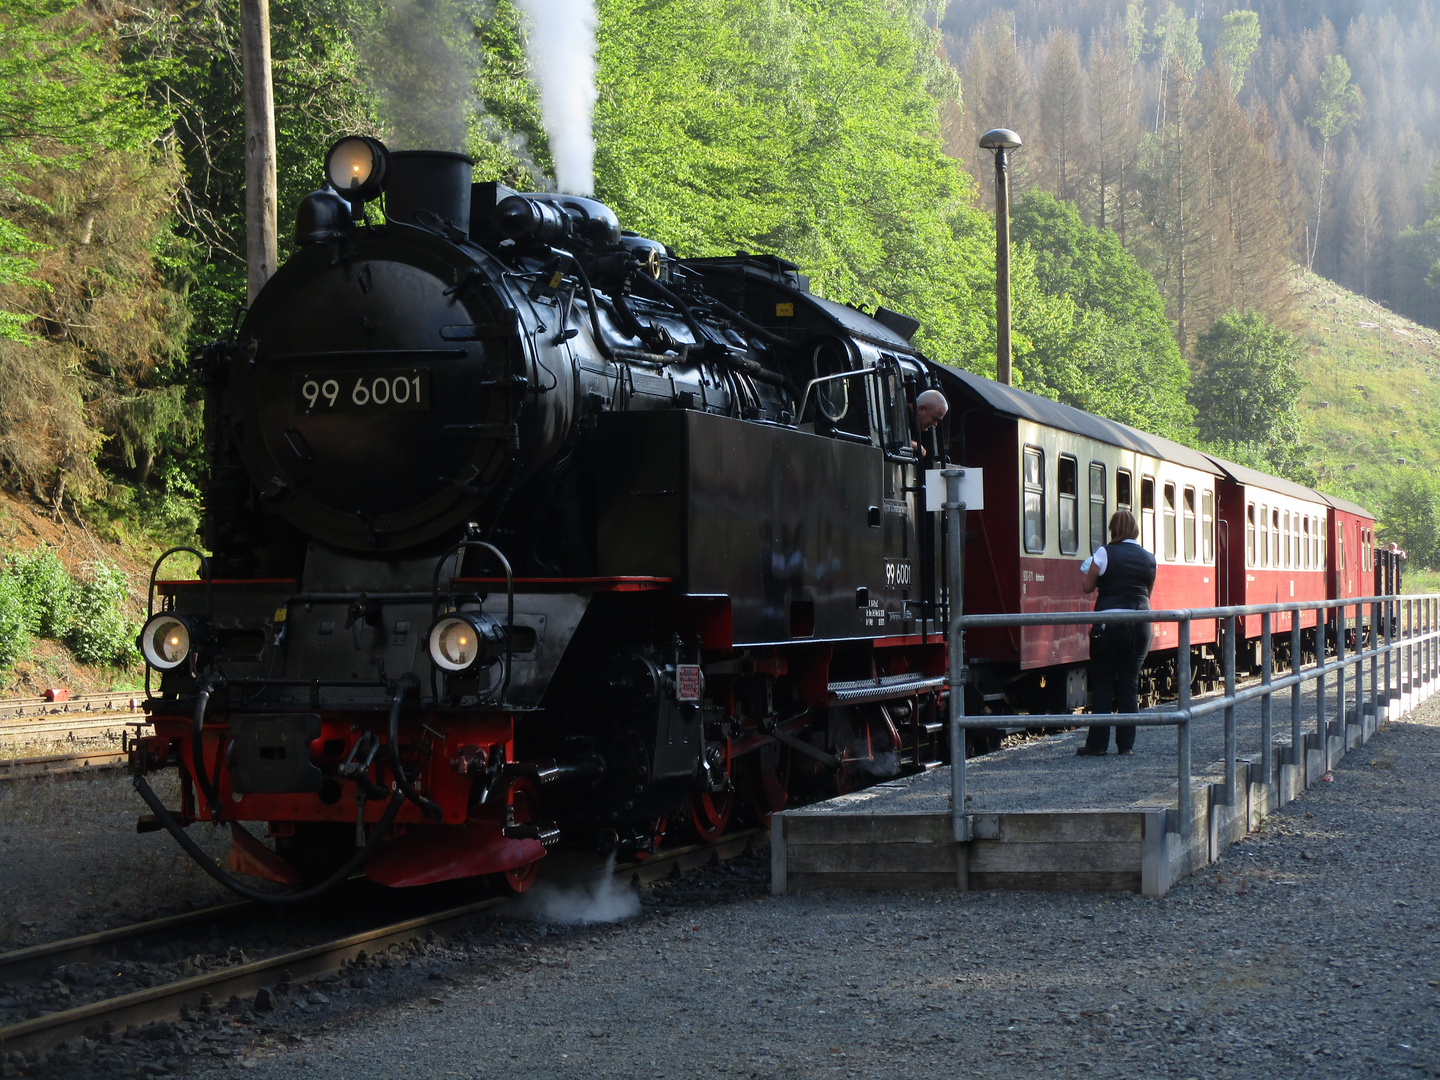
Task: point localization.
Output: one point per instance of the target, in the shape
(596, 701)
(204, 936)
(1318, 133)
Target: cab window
(1098, 522)
(1207, 525)
(1147, 512)
(1034, 490)
(1169, 522)
(1187, 509)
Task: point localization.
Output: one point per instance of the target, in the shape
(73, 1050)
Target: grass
(1372, 401)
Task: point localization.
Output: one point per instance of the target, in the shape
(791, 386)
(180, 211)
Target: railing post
(955, 584)
(1297, 737)
(1182, 735)
(1339, 683)
(1377, 643)
(1229, 668)
(1267, 674)
(1322, 653)
(1390, 611)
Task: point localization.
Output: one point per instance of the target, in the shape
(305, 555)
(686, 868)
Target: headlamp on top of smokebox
(462, 640)
(167, 640)
(358, 167)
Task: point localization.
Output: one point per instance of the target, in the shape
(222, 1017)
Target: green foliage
(102, 632)
(1245, 392)
(1337, 104)
(1109, 351)
(14, 635)
(808, 130)
(1410, 516)
(1238, 39)
(46, 591)
(61, 97)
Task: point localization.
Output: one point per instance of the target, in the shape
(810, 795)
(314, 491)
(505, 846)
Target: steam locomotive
(524, 532)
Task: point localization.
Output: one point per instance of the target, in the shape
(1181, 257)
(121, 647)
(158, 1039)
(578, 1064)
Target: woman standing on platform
(1124, 573)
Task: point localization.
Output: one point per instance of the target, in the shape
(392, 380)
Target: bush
(102, 633)
(47, 592)
(14, 637)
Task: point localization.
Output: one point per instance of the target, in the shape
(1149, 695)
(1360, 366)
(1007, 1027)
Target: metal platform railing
(1400, 641)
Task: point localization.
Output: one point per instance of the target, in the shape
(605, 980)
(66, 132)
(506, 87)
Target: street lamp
(1000, 141)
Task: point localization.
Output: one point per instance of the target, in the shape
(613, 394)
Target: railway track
(94, 743)
(129, 701)
(165, 1002)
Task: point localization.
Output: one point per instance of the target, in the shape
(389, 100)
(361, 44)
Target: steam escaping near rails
(561, 48)
(600, 901)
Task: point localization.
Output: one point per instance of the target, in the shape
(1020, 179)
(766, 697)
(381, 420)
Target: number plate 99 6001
(368, 391)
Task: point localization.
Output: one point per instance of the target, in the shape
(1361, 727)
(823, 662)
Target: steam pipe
(767, 336)
(197, 747)
(600, 342)
(206, 863)
(427, 807)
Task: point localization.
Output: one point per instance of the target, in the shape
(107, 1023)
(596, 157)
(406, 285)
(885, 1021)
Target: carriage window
(1097, 506)
(1275, 537)
(1189, 524)
(1123, 497)
(1250, 534)
(1034, 500)
(1324, 544)
(1285, 539)
(1169, 491)
(1305, 542)
(1147, 512)
(1207, 526)
(1295, 540)
(1340, 548)
(1264, 535)
(1068, 485)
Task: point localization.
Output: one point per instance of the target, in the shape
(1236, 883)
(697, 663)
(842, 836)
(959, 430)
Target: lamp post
(1000, 141)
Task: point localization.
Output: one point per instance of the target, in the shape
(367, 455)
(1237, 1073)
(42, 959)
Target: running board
(888, 686)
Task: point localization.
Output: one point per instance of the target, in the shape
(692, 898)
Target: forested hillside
(1228, 133)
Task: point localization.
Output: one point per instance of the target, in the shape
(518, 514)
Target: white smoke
(602, 900)
(561, 48)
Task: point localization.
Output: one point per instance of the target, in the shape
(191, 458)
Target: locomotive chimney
(429, 182)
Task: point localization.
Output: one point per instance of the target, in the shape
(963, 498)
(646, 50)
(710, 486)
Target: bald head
(930, 409)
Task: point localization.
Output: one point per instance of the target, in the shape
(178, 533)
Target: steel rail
(165, 1002)
(62, 764)
(21, 729)
(104, 943)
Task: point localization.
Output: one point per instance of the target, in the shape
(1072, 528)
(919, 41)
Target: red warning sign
(687, 682)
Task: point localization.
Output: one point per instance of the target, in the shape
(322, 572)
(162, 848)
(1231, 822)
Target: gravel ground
(1312, 950)
(78, 832)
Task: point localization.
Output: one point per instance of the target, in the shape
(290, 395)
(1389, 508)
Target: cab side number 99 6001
(362, 391)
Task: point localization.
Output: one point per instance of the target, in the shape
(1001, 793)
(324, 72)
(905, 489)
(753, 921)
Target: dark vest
(1128, 578)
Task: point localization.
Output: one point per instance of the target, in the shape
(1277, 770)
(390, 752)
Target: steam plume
(561, 48)
(601, 901)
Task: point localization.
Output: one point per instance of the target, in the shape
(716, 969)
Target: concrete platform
(1043, 818)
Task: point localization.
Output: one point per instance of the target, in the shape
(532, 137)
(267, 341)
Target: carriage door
(901, 493)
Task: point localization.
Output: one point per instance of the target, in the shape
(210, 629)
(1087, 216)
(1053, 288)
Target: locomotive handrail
(1400, 635)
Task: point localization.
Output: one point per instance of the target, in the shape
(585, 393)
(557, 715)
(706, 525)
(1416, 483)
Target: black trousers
(1117, 652)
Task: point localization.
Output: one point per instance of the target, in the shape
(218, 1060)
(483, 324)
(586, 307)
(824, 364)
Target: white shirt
(1101, 559)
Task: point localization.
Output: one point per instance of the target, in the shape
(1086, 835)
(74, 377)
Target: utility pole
(260, 242)
(1001, 141)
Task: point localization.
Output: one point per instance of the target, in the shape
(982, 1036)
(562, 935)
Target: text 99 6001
(363, 391)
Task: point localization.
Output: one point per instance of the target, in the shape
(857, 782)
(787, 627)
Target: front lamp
(358, 168)
(167, 641)
(463, 638)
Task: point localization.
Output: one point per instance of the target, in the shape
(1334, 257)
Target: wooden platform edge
(1140, 848)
